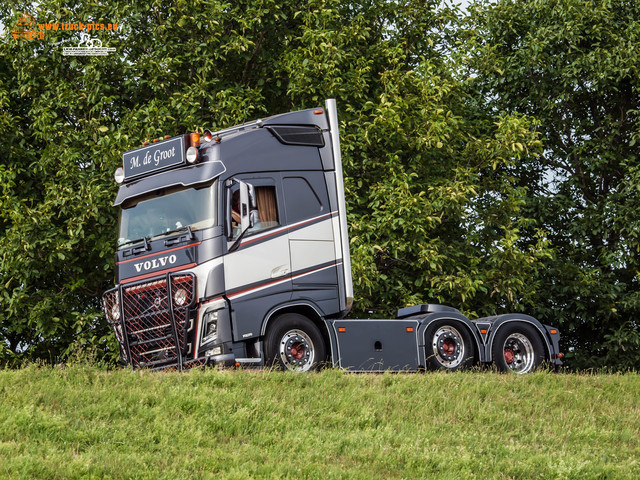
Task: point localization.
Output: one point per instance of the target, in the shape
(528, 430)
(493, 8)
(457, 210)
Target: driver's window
(267, 207)
(263, 209)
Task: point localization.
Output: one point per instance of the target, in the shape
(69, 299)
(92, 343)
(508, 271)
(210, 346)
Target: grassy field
(83, 422)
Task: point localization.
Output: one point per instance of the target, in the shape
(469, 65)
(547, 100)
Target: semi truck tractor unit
(233, 250)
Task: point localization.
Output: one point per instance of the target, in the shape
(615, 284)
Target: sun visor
(186, 177)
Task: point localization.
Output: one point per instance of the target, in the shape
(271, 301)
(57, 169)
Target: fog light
(180, 297)
(214, 351)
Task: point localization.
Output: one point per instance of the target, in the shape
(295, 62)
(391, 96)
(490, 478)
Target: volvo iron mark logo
(155, 263)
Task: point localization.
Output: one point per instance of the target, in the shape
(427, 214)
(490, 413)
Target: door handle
(280, 271)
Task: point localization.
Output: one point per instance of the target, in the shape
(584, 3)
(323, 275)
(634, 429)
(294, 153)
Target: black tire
(517, 347)
(449, 346)
(293, 342)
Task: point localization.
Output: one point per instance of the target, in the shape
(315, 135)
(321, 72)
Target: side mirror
(239, 218)
(245, 206)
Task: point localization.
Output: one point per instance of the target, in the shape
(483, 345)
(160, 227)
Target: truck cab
(221, 234)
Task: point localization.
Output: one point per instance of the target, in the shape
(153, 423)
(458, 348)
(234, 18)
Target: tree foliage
(573, 65)
(444, 173)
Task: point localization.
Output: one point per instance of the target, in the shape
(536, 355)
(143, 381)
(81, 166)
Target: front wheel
(517, 348)
(294, 343)
(449, 346)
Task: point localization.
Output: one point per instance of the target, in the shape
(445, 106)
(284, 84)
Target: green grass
(82, 422)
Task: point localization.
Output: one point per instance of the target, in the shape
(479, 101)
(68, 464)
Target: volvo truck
(233, 250)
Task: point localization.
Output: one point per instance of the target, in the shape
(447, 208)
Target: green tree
(573, 66)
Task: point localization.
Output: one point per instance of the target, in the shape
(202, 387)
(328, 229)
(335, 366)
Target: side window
(302, 200)
(267, 207)
(263, 209)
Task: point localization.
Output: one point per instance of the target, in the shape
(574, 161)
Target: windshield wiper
(175, 230)
(143, 239)
(172, 241)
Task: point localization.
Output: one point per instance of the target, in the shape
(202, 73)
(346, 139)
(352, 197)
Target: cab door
(314, 263)
(257, 266)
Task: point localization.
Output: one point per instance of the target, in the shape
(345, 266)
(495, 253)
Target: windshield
(166, 212)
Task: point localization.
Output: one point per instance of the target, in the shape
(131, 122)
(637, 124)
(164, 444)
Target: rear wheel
(295, 343)
(449, 346)
(517, 348)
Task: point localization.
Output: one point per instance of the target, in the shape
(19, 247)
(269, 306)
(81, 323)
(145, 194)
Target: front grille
(155, 327)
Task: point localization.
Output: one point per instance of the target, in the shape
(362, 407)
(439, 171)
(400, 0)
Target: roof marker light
(195, 139)
(192, 155)
(144, 144)
(119, 175)
(318, 112)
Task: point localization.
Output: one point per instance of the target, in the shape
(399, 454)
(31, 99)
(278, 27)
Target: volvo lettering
(156, 263)
(233, 249)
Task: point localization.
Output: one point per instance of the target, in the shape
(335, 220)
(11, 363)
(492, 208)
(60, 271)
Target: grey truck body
(196, 287)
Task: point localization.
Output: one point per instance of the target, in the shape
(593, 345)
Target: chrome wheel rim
(448, 346)
(518, 353)
(296, 351)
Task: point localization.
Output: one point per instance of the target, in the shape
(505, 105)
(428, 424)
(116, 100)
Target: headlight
(180, 297)
(210, 324)
(212, 329)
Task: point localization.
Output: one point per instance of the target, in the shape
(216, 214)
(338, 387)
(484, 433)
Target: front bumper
(152, 319)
